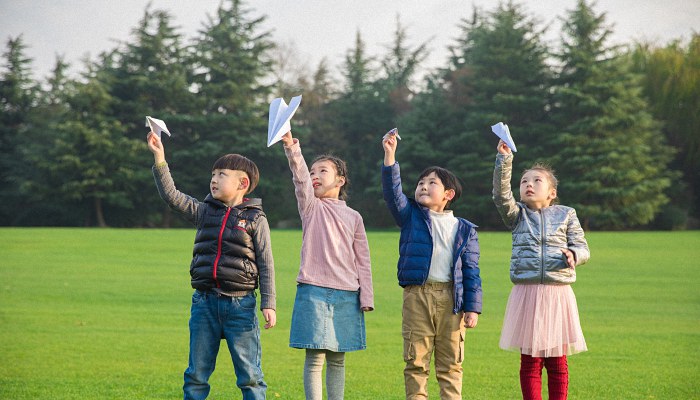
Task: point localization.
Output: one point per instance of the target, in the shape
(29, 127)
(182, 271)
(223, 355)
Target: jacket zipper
(544, 247)
(218, 245)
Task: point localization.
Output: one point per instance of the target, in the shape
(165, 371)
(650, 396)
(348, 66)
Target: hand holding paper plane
(280, 115)
(394, 131)
(501, 130)
(157, 125)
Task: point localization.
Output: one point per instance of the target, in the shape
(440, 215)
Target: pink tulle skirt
(542, 321)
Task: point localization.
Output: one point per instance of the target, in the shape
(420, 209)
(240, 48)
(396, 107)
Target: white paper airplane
(394, 131)
(157, 125)
(280, 115)
(501, 130)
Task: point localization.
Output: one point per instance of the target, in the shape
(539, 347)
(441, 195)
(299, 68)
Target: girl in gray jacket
(541, 319)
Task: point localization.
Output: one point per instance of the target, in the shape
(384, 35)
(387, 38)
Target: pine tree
(89, 160)
(400, 66)
(497, 73)
(671, 82)
(232, 61)
(612, 160)
(147, 75)
(358, 112)
(18, 94)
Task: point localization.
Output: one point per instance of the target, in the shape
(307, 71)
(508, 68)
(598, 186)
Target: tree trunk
(98, 213)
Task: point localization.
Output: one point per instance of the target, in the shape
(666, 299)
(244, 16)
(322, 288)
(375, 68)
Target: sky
(76, 29)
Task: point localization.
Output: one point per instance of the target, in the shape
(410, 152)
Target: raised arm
(303, 187)
(186, 205)
(502, 193)
(395, 199)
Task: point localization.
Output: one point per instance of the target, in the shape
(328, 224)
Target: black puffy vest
(224, 254)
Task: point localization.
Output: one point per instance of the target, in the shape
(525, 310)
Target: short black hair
(448, 179)
(238, 162)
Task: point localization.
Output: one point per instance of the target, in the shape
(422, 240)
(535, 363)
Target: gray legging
(335, 374)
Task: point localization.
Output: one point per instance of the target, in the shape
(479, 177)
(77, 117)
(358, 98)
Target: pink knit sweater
(334, 249)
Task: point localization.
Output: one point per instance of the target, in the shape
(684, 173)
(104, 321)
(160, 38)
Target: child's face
(229, 186)
(536, 190)
(431, 193)
(325, 179)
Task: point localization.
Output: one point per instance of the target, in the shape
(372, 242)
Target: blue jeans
(214, 318)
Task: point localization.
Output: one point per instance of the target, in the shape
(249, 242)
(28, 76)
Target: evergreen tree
(612, 160)
(148, 75)
(360, 110)
(671, 83)
(497, 73)
(400, 66)
(232, 60)
(89, 158)
(18, 94)
(42, 205)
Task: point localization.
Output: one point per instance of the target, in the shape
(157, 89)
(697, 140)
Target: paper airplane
(394, 131)
(501, 130)
(157, 125)
(280, 115)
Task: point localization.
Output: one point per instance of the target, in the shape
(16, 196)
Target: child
(335, 280)
(439, 270)
(231, 256)
(541, 319)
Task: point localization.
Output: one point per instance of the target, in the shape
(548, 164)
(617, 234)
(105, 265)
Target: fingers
(270, 318)
(569, 256)
(503, 147)
(471, 319)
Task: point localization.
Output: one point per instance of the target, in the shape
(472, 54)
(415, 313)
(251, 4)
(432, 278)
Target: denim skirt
(325, 318)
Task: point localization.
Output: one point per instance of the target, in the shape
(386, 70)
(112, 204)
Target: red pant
(531, 377)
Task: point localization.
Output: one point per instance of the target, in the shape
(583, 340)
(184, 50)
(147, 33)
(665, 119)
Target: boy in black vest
(231, 255)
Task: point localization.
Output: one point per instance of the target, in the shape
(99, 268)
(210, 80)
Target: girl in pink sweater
(334, 285)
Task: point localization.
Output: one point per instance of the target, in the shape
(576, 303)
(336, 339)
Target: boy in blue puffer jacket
(439, 270)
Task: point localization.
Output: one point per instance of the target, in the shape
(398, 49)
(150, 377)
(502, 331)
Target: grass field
(102, 314)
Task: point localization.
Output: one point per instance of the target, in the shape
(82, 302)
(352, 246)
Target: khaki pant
(429, 327)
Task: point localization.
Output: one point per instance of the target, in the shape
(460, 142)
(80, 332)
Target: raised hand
(287, 139)
(503, 148)
(155, 145)
(389, 143)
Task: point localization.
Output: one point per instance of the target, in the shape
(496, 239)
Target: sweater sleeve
(265, 263)
(303, 188)
(186, 205)
(502, 194)
(364, 270)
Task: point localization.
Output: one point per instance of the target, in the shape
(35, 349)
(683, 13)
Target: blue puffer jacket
(416, 245)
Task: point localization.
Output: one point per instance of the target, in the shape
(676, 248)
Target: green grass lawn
(102, 314)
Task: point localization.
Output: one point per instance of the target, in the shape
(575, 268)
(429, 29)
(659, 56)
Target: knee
(530, 364)
(335, 359)
(314, 359)
(556, 364)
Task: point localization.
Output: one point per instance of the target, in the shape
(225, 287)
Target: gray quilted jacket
(538, 236)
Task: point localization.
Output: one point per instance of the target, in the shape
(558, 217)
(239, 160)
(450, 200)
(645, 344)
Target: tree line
(618, 123)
